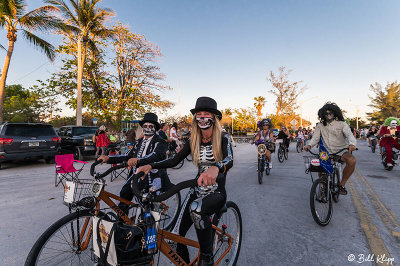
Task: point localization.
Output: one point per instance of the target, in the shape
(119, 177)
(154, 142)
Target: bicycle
(299, 145)
(373, 143)
(263, 163)
(282, 151)
(325, 188)
(72, 234)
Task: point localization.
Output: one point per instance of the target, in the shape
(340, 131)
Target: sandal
(342, 190)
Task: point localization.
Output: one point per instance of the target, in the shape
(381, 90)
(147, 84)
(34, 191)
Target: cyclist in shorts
(266, 135)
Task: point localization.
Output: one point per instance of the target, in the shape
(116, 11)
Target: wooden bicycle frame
(162, 235)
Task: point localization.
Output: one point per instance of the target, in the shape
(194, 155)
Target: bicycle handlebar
(169, 193)
(107, 172)
(333, 154)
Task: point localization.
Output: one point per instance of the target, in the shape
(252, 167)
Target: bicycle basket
(312, 167)
(81, 188)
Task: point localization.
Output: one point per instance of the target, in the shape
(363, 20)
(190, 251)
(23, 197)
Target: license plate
(34, 144)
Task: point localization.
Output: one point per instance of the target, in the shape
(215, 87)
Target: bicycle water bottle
(151, 234)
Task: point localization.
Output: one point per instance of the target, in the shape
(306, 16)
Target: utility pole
(357, 110)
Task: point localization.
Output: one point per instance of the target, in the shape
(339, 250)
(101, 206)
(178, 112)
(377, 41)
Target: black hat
(151, 118)
(206, 104)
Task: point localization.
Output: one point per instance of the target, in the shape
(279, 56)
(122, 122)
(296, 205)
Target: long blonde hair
(195, 141)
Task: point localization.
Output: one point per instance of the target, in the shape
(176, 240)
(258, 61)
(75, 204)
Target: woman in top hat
(211, 151)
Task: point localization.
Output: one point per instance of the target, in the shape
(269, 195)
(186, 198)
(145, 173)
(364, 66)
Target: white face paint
(149, 129)
(393, 123)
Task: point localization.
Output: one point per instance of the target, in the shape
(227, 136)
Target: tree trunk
(79, 83)
(4, 76)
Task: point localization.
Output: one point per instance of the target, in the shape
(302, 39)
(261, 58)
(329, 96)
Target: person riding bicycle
(285, 135)
(148, 149)
(372, 132)
(211, 150)
(266, 135)
(336, 135)
(390, 133)
(300, 134)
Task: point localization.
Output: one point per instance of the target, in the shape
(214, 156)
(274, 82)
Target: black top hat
(206, 104)
(151, 118)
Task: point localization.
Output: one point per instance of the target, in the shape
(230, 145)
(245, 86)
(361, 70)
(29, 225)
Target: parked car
(78, 140)
(28, 141)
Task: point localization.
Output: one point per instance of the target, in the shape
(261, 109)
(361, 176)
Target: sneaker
(389, 164)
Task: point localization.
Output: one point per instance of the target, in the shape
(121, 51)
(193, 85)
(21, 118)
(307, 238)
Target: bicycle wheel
(230, 219)
(61, 243)
(267, 169)
(286, 153)
(281, 155)
(189, 158)
(260, 170)
(321, 202)
(298, 147)
(171, 213)
(336, 184)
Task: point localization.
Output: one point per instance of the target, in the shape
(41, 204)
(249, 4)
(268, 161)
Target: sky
(226, 49)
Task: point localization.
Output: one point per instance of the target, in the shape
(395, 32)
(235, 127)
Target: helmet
(264, 122)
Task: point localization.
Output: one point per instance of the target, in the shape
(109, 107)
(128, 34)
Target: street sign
(94, 120)
(293, 122)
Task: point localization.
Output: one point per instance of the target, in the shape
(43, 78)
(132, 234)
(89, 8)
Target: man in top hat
(148, 149)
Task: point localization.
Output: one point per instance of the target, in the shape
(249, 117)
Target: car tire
(77, 154)
(49, 160)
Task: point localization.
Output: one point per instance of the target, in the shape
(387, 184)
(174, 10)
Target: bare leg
(103, 150)
(268, 155)
(350, 161)
(97, 151)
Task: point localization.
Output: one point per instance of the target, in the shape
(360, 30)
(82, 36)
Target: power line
(18, 79)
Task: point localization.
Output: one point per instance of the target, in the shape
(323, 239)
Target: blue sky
(225, 49)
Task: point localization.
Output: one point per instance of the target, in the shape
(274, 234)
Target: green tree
(259, 104)
(13, 18)
(245, 119)
(385, 102)
(85, 23)
(22, 105)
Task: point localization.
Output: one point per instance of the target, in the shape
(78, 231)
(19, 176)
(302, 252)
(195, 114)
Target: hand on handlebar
(145, 169)
(132, 162)
(103, 158)
(209, 177)
(352, 148)
(307, 148)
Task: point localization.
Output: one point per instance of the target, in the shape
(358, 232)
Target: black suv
(77, 140)
(25, 141)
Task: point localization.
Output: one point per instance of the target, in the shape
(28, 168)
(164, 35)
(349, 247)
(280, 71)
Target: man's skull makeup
(149, 129)
(393, 123)
(329, 116)
(204, 122)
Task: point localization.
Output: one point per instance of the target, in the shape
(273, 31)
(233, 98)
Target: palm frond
(65, 10)
(46, 47)
(41, 19)
(12, 8)
(2, 47)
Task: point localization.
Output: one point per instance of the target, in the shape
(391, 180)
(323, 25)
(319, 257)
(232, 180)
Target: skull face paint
(393, 123)
(148, 129)
(329, 116)
(204, 122)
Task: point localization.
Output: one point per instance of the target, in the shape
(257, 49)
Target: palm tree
(85, 23)
(259, 104)
(13, 18)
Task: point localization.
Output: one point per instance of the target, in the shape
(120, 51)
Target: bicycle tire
(260, 170)
(233, 255)
(281, 155)
(65, 222)
(298, 147)
(189, 158)
(286, 153)
(336, 184)
(267, 169)
(323, 221)
(170, 224)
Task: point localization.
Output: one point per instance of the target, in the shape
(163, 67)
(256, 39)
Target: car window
(29, 130)
(78, 131)
(68, 131)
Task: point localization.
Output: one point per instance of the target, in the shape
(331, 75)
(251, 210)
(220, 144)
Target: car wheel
(48, 160)
(77, 154)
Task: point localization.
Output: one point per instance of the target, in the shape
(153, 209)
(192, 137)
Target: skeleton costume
(206, 201)
(148, 150)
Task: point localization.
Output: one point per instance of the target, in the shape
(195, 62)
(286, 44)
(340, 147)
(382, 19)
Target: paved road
(278, 228)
